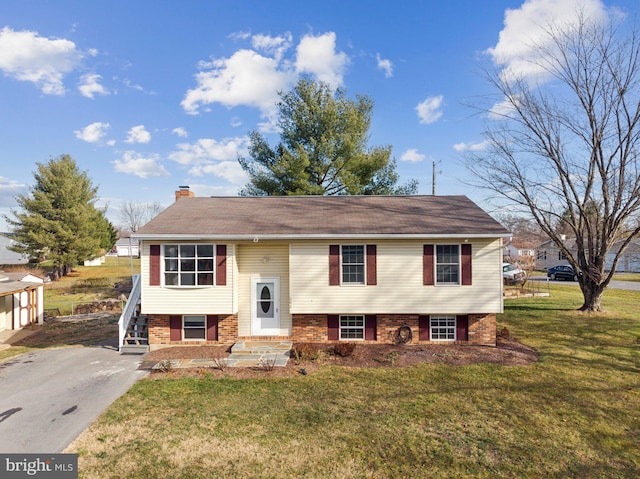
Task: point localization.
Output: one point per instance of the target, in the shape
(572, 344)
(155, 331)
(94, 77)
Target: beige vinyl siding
(251, 262)
(399, 277)
(195, 300)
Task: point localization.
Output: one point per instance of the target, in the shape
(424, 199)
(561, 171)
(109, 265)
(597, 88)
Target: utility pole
(433, 183)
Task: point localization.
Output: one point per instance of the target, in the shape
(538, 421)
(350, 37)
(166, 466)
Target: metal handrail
(129, 310)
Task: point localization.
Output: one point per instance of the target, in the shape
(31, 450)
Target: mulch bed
(508, 352)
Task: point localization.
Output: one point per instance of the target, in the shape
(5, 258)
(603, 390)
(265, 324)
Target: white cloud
(209, 156)
(207, 150)
(429, 111)
(138, 134)
(232, 82)
(317, 55)
(237, 36)
(143, 166)
(275, 46)
(471, 146)
(9, 189)
(501, 109)
(26, 56)
(229, 170)
(518, 49)
(93, 133)
(386, 65)
(412, 155)
(90, 86)
(180, 131)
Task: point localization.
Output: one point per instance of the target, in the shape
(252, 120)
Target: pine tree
(58, 219)
(323, 148)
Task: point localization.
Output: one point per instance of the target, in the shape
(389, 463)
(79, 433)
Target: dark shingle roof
(322, 216)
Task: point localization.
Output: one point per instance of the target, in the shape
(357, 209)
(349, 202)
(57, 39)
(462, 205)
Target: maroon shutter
(154, 265)
(427, 265)
(333, 327)
(423, 328)
(372, 276)
(466, 264)
(334, 265)
(221, 265)
(370, 327)
(175, 328)
(212, 327)
(462, 328)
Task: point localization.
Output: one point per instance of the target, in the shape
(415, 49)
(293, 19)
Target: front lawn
(575, 413)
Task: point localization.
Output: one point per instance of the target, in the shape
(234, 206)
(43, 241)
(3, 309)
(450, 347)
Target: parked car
(564, 271)
(512, 274)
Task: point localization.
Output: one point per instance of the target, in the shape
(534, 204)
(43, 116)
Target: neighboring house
(629, 262)
(7, 256)
(549, 255)
(21, 300)
(126, 247)
(515, 250)
(321, 268)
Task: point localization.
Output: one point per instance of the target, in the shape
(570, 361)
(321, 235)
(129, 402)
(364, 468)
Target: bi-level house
(321, 269)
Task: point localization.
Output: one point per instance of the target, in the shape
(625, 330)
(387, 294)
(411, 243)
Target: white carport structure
(21, 300)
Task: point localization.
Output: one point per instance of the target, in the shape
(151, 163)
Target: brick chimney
(184, 192)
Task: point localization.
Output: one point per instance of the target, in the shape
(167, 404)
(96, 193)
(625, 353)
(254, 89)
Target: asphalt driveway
(48, 397)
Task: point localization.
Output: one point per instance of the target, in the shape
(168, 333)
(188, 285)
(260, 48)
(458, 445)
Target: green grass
(627, 277)
(88, 283)
(575, 413)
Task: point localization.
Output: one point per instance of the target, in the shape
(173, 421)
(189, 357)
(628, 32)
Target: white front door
(265, 306)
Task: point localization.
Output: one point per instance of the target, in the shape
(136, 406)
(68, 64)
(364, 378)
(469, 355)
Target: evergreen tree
(58, 218)
(323, 149)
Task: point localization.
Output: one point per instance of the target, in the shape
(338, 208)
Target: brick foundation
(312, 328)
(159, 333)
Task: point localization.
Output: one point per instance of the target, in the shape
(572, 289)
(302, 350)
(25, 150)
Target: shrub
(220, 361)
(305, 352)
(344, 350)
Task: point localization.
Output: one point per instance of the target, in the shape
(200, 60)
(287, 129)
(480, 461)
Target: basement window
(351, 327)
(194, 327)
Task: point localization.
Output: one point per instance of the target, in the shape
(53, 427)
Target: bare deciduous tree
(135, 214)
(567, 146)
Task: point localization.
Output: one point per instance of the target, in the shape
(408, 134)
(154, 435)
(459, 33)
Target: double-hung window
(194, 327)
(351, 327)
(353, 260)
(188, 264)
(447, 264)
(443, 328)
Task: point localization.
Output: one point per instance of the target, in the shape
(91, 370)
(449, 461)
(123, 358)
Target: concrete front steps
(249, 354)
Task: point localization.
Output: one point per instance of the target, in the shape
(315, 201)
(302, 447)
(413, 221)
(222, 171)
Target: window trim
(364, 266)
(441, 317)
(340, 327)
(164, 272)
(435, 265)
(204, 327)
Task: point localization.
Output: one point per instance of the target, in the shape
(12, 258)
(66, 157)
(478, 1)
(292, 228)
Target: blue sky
(148, 95)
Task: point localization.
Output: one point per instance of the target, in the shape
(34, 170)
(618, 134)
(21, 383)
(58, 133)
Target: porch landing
(247, 354)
